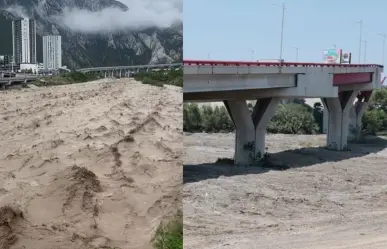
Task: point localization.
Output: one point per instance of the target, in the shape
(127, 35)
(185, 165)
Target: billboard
(336, 56)
(332, 56)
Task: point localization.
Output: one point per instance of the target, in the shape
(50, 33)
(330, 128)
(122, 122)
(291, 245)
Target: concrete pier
(250, 128)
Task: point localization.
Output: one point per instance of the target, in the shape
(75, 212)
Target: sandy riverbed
(95, 165)
(309, 199)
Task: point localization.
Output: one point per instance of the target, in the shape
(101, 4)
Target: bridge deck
(246, 67)
(214, 79)
(151, 66)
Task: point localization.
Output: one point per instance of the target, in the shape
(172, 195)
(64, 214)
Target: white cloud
(141, 14)
(17, 11)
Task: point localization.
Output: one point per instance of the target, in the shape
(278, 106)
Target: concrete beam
(250, 128)
(211, 83)
(220, 87)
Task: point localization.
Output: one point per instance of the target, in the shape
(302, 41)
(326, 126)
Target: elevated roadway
(116, 71)
(234, 82)
(19, 78)
(119, 71)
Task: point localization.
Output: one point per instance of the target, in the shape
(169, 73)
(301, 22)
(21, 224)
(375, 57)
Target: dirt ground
(308, 198)
(94, 165)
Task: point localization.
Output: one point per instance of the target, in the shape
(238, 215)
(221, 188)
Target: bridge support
(338, 119)
(250, 128)
(356, 115)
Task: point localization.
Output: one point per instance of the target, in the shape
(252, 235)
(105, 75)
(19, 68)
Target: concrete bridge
(233, 82)
(128, 71)
(19, 78)
(117, 71)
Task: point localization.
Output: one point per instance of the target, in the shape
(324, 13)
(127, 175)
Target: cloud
(17, 11)
(141, 14)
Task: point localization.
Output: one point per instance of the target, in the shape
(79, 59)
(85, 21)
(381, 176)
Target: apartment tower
(52, 52)
(24, 41)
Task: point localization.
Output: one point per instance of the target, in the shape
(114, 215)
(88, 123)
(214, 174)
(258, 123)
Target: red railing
(271, 64)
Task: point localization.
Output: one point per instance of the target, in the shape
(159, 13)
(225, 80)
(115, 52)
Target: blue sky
(230, 29)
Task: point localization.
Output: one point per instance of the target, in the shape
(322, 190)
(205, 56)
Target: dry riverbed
(321, 199)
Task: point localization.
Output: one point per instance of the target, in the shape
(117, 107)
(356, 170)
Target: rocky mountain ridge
(80, 49)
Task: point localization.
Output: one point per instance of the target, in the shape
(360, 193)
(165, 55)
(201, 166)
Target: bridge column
(338, 119)
(358, 110)
(250, 128)
(120, 73)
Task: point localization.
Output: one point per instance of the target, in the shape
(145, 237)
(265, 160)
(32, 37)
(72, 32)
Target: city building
(29, 68)
(5, 61)
(52, 52)
(24, 41)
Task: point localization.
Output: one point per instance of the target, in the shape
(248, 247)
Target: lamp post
(384, 43)
(360, 38)
(282, 6)
(252, 54)
(365, 51)
(296, 48)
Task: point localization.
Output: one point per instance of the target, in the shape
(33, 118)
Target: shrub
(293, 119)
(171, 235)
(159, 78)
(374, 121)
(289, 118)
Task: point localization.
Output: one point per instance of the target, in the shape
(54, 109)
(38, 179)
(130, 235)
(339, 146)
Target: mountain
(125, 46)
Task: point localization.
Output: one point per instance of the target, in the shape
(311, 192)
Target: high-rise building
(52, 52)
(24, 41)
(32, 28)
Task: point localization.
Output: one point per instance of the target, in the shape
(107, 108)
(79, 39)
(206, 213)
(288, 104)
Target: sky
(230, 29)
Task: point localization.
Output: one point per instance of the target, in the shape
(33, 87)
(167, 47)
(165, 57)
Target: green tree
(293, 119)
(318, 114)
(193, 118)
(375, 118)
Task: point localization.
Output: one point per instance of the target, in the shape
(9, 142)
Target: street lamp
(282, 28)
(384, 43)
(365, 51)
(360, 38)
(296, 48)
(252, 54)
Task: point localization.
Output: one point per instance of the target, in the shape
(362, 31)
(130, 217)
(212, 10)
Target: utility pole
(296, 48)
(252, 54)
(209, 56)
(365, 51)
(384, 43)
(360, 38)
(282, 28)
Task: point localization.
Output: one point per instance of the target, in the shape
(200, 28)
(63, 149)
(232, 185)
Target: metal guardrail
(96, 69)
